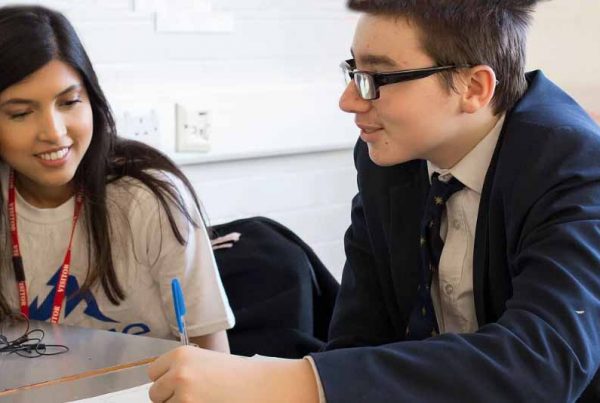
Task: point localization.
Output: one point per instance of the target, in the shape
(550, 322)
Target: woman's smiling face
(46, 126)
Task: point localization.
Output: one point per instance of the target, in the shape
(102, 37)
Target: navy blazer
(536, 273)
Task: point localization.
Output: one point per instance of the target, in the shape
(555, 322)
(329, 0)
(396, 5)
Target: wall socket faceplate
(192, 128)
(138, 124)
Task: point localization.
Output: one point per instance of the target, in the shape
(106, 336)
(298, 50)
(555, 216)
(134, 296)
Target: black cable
(29, 344)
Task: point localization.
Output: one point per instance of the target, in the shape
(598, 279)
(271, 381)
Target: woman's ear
(479, 87)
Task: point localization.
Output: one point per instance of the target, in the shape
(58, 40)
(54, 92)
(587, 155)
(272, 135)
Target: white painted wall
(565, 43)
(271, 84)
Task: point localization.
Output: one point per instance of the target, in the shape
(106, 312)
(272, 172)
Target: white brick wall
(309, 193)
(271, 85)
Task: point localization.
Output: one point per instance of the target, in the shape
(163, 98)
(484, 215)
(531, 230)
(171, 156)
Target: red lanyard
(61, 286)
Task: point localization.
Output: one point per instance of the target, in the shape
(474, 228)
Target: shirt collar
(471, 169)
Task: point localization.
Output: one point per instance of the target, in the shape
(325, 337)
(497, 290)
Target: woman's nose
(52, 127)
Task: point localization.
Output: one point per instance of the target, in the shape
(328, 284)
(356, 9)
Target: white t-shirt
(146, 257)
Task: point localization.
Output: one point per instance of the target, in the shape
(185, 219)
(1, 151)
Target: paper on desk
(132, 395)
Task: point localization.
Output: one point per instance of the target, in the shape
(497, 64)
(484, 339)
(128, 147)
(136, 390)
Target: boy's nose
(351, 101)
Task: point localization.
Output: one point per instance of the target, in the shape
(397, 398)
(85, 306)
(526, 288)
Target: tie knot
(441, 191)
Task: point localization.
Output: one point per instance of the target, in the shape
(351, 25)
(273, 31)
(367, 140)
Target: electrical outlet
(139, 124)
(193, 128)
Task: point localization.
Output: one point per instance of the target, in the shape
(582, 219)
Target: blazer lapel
(481, 251)
(407, 205)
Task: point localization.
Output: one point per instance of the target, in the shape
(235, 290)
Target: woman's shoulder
(139, 186)
(130, 192)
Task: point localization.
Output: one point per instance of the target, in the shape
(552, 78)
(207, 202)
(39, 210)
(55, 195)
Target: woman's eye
(72, 102)
(18, 115)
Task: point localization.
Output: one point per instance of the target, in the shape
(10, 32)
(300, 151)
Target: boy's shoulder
(547, 141)
(547, 113)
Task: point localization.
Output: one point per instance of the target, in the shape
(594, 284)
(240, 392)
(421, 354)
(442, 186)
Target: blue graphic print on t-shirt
(43, 311)
(74, 298)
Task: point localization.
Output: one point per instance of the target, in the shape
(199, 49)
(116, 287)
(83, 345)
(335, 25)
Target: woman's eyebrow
(16, 101)
(68, 89)
(23, 101)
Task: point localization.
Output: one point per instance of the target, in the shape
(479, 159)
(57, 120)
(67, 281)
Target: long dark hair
(31, 37)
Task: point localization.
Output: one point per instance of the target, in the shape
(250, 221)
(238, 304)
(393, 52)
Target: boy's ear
(479, 88)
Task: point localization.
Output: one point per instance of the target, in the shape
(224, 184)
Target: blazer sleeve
(546, 345)
(359, 318)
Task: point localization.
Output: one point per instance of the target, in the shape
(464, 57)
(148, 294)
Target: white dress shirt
(452, 288)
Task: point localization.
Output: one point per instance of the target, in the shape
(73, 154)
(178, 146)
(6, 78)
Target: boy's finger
(161, 391)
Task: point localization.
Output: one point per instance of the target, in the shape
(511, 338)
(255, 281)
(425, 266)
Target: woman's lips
(54, 158)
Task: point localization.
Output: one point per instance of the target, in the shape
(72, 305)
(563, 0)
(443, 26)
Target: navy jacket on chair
(280, 292)
(536, 273)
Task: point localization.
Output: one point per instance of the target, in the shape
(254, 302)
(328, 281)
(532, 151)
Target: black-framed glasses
(368, 83)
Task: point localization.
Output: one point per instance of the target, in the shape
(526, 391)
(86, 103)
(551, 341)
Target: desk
(90, 350)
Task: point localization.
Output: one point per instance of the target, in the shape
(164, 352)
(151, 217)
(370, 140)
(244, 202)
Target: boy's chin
(385, 158)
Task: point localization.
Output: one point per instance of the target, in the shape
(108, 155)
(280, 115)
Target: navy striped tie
(422, 321)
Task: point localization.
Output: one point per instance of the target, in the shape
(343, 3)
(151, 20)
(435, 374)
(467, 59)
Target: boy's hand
(189, 374)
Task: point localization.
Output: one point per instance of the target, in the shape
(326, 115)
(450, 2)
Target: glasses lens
(366, 86)
(346, 70)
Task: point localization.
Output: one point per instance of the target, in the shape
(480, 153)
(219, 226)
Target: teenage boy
(473, 258)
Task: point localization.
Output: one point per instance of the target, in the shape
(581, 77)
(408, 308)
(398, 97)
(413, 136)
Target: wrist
(291, 381)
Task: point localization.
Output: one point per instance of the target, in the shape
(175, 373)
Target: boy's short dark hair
(490, 32)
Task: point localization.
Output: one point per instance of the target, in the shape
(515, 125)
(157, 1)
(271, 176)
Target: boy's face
(416, 119)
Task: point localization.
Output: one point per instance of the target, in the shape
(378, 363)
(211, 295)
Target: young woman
(95, 227)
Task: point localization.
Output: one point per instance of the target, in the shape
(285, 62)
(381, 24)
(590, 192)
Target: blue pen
(179, 304)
